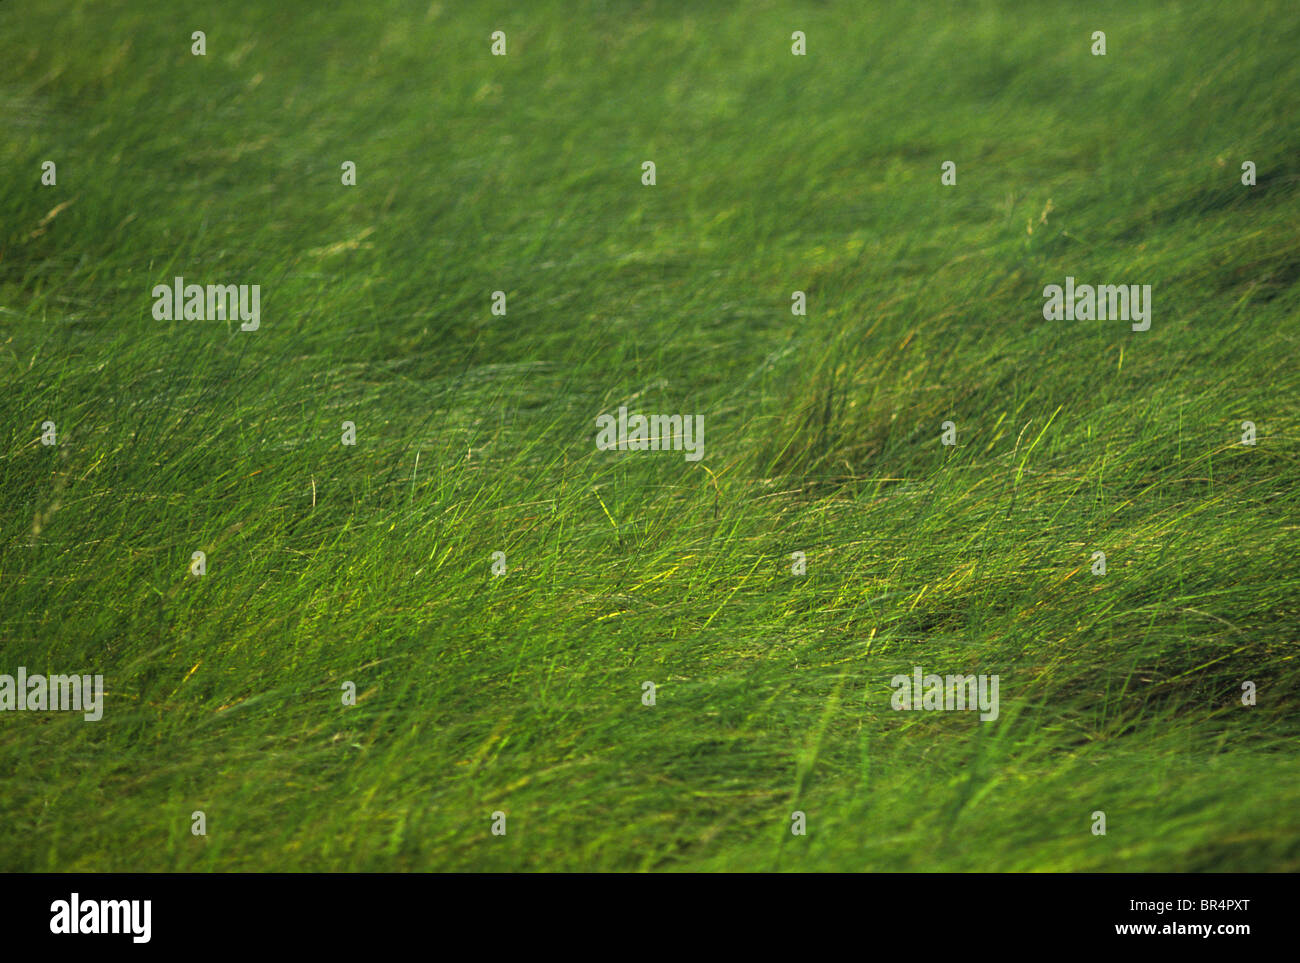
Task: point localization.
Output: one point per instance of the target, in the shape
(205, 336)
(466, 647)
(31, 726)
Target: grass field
(372, 563)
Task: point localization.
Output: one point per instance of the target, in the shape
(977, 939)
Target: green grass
(476, 434)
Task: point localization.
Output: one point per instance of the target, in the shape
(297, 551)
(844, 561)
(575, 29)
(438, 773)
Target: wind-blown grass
(475, 434)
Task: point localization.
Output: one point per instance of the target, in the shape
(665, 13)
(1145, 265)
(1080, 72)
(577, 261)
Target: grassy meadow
(475, 433)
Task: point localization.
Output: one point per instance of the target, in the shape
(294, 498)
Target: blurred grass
(475, 434)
